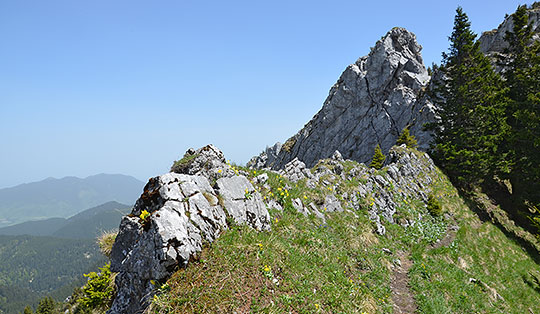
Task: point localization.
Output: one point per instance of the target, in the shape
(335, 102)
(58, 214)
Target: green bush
(433, 206)
(181, 165)
(406, 138)
(378, 158)
(99, 290)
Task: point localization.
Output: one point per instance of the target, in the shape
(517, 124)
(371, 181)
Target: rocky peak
(373, 100)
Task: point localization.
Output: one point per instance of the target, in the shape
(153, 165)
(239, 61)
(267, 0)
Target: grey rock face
(373, 100)
(243, 202)
(207, 161)
(184, 213)
(295, 171)
(408, 175)
(492, 42)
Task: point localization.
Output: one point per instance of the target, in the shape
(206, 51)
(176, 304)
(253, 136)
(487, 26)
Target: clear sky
(127, 87)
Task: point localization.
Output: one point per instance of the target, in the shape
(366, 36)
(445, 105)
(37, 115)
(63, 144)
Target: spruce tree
(378, 158)
(46, 306)
(522, 75)
(406, 138)
(471, 109)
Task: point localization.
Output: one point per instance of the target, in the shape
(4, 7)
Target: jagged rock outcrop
(207, 161)
(373, 100)
(408, 176)
(176, 214)
(492, 42)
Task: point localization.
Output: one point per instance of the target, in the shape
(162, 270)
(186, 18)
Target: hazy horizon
(127, 87)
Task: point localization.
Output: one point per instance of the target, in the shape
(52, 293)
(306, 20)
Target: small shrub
(378, 158)
(406, 138)
(99, 289)
(433, 206)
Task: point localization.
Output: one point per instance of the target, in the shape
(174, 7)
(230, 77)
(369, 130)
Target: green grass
(302, 266)
(441, 277)
(307, 266)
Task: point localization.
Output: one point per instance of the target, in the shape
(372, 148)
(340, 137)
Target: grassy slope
(307, 266)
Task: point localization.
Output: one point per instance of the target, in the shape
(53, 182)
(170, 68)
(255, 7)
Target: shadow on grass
(484, 215)
(532, 281)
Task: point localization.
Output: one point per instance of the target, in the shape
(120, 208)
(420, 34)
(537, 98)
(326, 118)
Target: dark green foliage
(522, 144)
(406, 138)
(30, 268)
(378, 158)
(99, 289)
(471, 108)
(46, 306)
(434, 206)
(28, 310)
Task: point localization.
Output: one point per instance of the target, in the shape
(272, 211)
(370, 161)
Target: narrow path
(401, 293)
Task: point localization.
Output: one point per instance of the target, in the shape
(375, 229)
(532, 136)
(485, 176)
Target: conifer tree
(27, 310)
(523, 112)
(46, 306)
(378, 158)
(470, 107)
(406, 138)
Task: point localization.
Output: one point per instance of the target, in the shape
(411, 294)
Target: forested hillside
(33, 267)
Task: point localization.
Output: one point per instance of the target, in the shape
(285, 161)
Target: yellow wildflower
(267, 268)
(316, 306)
(144, 214)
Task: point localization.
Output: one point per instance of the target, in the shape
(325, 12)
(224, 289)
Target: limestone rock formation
(408, 175)
(175, 215)
(207, 161)
(492, 42)
(373, 100)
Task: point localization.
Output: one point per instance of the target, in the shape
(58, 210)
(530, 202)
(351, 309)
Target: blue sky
(127, 87)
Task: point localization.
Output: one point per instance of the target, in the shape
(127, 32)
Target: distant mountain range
(87, 224)
(62, 198)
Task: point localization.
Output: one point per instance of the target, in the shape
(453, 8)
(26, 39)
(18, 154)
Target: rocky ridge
(178, 213)
(174, 217)
(347, 184)
(373, 100)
